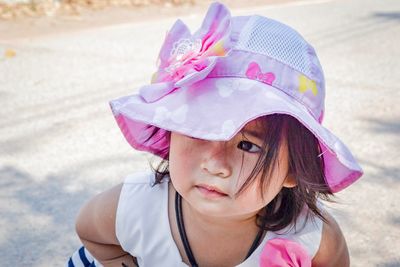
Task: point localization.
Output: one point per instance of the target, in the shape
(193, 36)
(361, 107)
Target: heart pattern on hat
(254, 72)
(178, 116)
(306, 84)
(270, 95)
(227, 87)
(227, 128)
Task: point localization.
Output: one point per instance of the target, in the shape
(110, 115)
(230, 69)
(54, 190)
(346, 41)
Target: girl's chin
(206, 205)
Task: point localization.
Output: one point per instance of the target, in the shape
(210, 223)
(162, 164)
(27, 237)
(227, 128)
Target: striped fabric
(82, 258)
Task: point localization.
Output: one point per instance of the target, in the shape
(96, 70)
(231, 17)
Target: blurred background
(35, 8)
(62, 61)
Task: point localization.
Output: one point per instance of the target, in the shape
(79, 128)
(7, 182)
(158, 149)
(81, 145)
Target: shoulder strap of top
(142, 225)
(307, 232)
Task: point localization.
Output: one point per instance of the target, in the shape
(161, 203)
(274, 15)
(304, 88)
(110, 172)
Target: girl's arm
(333, 250)
(95, 227)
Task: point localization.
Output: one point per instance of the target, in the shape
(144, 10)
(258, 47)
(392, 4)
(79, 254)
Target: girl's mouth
(210, 191)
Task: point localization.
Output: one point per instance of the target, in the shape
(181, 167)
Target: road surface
(59, 143)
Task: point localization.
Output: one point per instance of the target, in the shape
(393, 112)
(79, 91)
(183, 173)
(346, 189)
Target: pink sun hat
(232, 70)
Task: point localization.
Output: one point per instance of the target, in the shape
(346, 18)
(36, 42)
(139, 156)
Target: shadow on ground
(337, 34)
(37, 218)
(389, 131)
(388, 15)
(384, 126)
(390, 264)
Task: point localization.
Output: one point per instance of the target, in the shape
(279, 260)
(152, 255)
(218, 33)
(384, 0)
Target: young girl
(235, 112)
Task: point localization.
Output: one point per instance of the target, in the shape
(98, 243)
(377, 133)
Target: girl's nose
(216, 160)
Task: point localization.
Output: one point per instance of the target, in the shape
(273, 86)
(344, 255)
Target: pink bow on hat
(185, 58)
(284, 252)
(254, 72)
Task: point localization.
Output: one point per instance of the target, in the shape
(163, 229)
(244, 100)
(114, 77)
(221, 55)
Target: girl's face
(208, 174)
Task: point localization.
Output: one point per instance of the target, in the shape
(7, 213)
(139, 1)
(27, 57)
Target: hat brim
(217, 109)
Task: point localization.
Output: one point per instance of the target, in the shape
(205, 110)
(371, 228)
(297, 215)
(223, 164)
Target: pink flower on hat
(185, 58)
(284, 252)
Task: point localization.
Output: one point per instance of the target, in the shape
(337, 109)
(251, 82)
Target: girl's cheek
(248, 163)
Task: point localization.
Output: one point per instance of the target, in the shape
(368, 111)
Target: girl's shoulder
(307, 231)
(312, 240)
(142, 216)
(333, 249)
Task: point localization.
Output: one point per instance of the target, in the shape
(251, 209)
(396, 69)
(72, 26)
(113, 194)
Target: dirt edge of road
(31, 27)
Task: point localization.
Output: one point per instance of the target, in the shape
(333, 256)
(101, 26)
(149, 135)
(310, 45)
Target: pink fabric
(281, 252)
(185, 58)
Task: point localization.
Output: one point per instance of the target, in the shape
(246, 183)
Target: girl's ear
(290, 181)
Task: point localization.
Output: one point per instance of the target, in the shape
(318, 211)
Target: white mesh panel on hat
(274, 39)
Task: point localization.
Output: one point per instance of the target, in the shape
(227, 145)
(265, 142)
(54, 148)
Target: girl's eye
(249, 147)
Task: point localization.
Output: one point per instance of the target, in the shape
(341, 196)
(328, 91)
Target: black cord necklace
(185, 241)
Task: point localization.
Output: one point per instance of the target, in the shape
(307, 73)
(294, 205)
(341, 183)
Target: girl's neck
(208, 235)
(220, 226)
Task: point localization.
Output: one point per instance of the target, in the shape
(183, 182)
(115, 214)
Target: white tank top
(143, 230)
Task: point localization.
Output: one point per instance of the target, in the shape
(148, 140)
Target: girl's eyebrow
(256, 134)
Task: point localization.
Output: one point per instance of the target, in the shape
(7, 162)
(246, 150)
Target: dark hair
(306, 165)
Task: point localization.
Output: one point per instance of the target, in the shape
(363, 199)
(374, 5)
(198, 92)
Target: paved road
(59, 143)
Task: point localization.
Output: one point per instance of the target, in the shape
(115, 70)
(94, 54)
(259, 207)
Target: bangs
(273, 128)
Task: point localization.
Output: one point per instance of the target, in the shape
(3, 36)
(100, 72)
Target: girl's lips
(210, 191)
